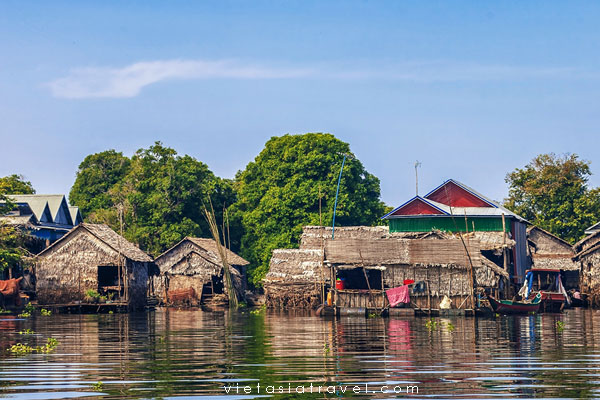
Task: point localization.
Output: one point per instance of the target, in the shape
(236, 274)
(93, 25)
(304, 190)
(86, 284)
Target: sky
(470, 89)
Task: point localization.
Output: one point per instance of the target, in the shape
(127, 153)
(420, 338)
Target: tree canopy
(278, 194)
(157, 194)
(96, 175)
(552, 192)
(12, 239)
(15, 184)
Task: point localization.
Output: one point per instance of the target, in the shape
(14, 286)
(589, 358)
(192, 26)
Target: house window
(108, 276)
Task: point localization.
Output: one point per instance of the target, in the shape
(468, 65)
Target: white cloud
(130, 80)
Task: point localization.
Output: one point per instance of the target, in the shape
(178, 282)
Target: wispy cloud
(128, 81)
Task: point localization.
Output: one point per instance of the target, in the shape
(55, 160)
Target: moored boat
(515, 307)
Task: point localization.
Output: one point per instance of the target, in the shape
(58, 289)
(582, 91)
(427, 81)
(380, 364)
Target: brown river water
(185, 354)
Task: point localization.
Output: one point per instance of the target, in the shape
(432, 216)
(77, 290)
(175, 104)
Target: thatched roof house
(92, 256)
(371, 261)
(550, 251)
(194, 263)
(588, 256)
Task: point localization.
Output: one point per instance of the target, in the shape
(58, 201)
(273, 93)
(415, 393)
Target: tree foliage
(552, 192)
(15, 184)
(97, 174)
(11, 246)
(12, 239)
(278, 194)
(158, 195)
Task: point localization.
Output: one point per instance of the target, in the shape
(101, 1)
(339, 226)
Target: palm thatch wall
(588, 258)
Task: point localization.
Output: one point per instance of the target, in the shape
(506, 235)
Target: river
(191, 354)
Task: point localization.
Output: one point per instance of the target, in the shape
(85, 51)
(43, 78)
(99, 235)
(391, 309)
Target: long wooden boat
(515, 307)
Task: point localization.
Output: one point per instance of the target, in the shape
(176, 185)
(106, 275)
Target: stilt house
(193, 265)
(92, 257)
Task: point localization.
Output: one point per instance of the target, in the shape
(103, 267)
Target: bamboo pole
(214, 230)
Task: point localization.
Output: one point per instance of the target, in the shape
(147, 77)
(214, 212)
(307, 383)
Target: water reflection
(193, 354)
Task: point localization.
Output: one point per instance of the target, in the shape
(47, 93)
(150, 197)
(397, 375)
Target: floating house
(370, 260)
(92, 257)
(193, 269)
(548, 251)
(455, 207)
(588, 256)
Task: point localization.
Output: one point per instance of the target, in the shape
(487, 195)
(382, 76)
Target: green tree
(278, 194)
(97, 174)
(157, 195)
(15, 184)
(11, 246)
(168, 194)
(12, 239)
(552, 192)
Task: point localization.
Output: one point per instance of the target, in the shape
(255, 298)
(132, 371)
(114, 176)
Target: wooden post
(428, 291)
(505, 257)
(470, 264)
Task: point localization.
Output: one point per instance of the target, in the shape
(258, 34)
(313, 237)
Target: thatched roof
(401, 251)
(197, 263)
(313, 236)
(296, 265)
(211, 246)
(169, 257)
(549, 251)
(587, 242)
(109, 237)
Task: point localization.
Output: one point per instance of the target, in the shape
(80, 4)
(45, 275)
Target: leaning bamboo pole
(214, 230)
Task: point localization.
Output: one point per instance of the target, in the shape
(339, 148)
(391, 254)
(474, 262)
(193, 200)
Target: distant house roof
(56, 203)
(19, 220)
(451, 198)
(38, 205)
(111, 238)
(75, 215)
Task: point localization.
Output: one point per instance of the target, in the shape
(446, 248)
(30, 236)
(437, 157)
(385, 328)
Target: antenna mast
(417, 165)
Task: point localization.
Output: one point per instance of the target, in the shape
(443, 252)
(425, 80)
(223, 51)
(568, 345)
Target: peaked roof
(38, 204)
(54, 203)
(537, 228)
(491, 209)
(210, 246)
(109, 237)
(75, 215)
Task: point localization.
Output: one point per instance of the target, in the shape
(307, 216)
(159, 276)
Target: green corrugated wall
(426, 224)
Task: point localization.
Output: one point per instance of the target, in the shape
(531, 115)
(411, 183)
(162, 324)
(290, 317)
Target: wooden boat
(515, 307)
(548, 283)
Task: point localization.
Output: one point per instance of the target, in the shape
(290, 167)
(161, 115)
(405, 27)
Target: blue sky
(470, 89)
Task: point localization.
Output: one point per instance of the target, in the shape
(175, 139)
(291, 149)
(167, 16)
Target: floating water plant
(98, 386)
(560, 326)
(27, 332)
(450, 326)
(431, 324)
(45, 313)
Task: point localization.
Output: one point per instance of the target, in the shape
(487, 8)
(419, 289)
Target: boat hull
(513, 307)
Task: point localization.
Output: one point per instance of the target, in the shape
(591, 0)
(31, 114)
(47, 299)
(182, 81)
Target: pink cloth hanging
(398, 295)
